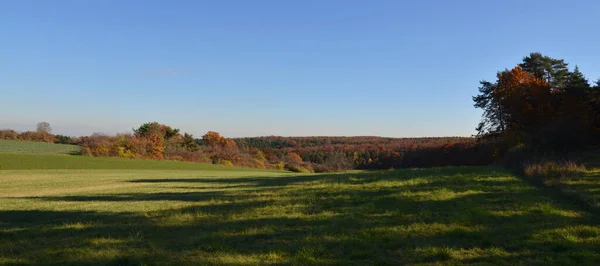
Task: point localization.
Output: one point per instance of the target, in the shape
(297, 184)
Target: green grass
(204, 216)
(36, 161)
(580, 183)
(28, 147)
(585, 187)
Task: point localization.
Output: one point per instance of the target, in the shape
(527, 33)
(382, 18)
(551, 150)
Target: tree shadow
(179, 196)
(462, 217)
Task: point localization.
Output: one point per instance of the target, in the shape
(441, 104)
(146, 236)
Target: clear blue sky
(248, 68)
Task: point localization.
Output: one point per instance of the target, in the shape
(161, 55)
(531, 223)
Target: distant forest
(539, 108)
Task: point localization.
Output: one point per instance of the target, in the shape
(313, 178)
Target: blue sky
(249, 68)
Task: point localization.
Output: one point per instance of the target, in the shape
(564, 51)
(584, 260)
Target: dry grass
(553, 170)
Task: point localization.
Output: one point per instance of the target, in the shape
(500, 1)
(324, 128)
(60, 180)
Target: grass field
(28, 147)
(222, 216)
(35, 161)
(585, 188)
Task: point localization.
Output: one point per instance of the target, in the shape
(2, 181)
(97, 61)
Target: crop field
(170, 213)
(28, 147)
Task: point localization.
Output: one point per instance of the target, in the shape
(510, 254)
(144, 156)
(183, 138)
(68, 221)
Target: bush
(37, 136)
(8, 134)
(551, 170)
(61, 139)
(278, 166)
(515, 157)
(320, 168)
(256, 163)
(225, 162)
(337, 161)
(299, 168)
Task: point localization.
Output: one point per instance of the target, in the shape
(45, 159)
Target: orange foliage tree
(525, 99)
(212, 138)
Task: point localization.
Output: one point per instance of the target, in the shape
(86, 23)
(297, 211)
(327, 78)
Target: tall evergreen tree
(576, 83)
(554, 71)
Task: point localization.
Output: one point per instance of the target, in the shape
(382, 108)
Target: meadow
(170, 213)
(29, 147)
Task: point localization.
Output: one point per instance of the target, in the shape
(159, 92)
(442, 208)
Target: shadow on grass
(183, 196)
(459, 215)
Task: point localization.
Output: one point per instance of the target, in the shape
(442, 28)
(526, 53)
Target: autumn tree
(293, 157)
(43, 127)
(156, 146)
(155, 128)
(212, 138)
(516, 103)
(541, 103)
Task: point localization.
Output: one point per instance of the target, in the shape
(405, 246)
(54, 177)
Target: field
(153, 214)
(27, 147)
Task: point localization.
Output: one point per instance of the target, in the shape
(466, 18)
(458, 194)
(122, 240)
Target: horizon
(267, 68)
(199, 135)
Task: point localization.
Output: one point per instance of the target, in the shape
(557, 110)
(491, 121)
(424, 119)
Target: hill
(39, 161)
(29, 147)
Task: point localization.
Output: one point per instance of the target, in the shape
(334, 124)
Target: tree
(514, 104)
(212, 138)
(189, 143)
(61, 139)
(293, 157)
(156, 147)
(43, 127)
(594, 106)
(574, 97)
(494, 120)
(152, 128)
(542, 104)
(552, 71)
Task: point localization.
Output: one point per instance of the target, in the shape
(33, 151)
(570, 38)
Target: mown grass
(28, 147)
(455, 215)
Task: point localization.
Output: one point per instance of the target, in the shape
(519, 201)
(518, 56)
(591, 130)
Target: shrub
(293, 158)
(175, 158)
(516, 156)
(337, 161)
(551, 170)
(8, 134)
(61, 139)
(85, 151)
(299, 168)
(278, 166)
(225, 162)
(320, 168)
(37, 136)
(97, 145)
(123, 152)
(256, 163)
(156, 147)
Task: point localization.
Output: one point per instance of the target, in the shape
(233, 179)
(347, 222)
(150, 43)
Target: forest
(537, 109)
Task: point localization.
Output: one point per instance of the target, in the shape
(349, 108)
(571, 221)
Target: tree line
(301, 154)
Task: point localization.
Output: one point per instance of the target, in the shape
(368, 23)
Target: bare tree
(43, 127)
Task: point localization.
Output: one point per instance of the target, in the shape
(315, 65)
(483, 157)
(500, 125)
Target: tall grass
(553, 170)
